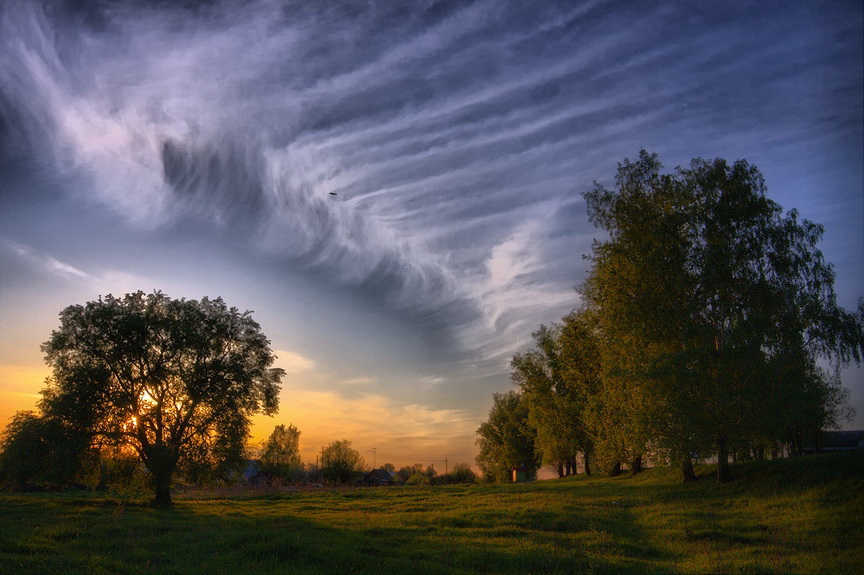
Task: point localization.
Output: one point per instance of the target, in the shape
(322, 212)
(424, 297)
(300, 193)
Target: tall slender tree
(557, 378)
(280, 453)
(506, 439)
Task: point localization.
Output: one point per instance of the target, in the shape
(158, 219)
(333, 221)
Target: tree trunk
(759, 452)
(723, 474)
(103, 474)
(616, 469)
(560, 470)
(636, 465)
(796, 444)
(163, 495)
(162, 486)
(586, 460)
(161, 465)
(687, 471)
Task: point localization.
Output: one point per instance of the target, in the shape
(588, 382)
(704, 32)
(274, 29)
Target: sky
(194, 147)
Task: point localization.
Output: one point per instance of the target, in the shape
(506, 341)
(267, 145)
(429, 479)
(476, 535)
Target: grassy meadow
(790, 516)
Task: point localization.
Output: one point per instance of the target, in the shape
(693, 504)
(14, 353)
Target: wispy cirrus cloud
(456, 137)
(362, 380)
(99, 282)
(292, 362)
(49, 264)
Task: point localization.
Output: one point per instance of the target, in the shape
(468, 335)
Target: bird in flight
(332, 193)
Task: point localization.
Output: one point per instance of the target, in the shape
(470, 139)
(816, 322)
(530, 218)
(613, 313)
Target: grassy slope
(792, 516)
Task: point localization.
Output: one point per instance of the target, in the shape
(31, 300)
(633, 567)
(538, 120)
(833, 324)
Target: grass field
(789, 516)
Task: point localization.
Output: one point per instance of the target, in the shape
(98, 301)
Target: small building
(379, 477)
(252, 473)
(519, 474)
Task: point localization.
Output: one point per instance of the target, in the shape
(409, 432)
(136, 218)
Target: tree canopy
(556, 379)
(175, 380)
(705, 290)
(709, 326)
(506, 439)
(340, 462)
(42, 451)
(280, 453)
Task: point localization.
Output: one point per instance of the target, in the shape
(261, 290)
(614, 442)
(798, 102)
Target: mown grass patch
(794, 516)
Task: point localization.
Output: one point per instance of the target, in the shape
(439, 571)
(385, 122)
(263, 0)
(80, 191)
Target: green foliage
(707, 316)
(43, 452)
(460, 473)
(341, 463)
(406, 472)
(175, 380)
(506, 439)
(118, 469)
(280, 454)
(418, 479)
(714, 308)
(419, 476)
(788, 516)
(556, 379)
(417, 470)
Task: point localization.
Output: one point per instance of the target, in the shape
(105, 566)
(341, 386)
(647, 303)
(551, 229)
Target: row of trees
(709, 327)
(341, 463)
(418, 475)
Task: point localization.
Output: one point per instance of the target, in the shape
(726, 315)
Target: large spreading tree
(175, 380)
(716, 309)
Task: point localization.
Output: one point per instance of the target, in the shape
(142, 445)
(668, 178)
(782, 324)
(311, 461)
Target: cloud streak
(104, 282)
(456, 137)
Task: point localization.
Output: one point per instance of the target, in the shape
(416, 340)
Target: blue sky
(193, 147)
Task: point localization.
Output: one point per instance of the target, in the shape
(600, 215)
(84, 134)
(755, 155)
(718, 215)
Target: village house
(378, 477)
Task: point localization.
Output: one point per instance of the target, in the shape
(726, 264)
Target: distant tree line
(342, 464)
(709, 327)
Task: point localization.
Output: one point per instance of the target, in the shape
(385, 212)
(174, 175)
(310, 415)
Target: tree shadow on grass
(269, 537)
(633, 525)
